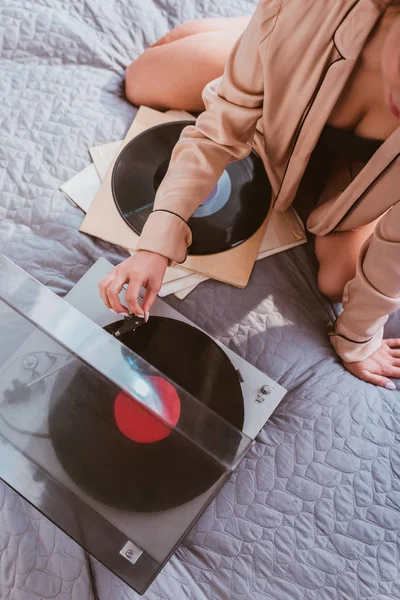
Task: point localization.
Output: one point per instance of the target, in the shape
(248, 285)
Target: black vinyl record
(232, 213)
(145, 476)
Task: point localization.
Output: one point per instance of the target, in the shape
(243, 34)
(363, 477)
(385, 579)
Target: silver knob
(266, 389)
(29, 362)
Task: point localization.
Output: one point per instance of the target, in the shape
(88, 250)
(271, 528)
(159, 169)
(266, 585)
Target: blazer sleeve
(222, 134)
(373, 294)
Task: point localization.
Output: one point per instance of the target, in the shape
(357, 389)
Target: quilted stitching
(313, 511)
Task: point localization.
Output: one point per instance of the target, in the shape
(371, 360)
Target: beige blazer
(281, 82)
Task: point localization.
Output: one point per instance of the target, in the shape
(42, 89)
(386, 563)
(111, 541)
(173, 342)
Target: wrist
(152, 254)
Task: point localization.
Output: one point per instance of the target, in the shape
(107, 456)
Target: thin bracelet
(334, 334)
(348, 339)
(170, 212)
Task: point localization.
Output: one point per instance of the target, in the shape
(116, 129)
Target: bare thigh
(174, 74)
(337, 255)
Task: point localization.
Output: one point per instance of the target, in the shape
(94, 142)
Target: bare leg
(174, 71)
(337, 254)
(203, 26)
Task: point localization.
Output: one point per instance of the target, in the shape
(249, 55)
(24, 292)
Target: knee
(331, 284)
(138, 83)
(134, 83)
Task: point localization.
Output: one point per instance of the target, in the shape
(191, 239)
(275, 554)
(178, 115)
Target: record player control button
(131, 552)
(29, 362)
(266, 389)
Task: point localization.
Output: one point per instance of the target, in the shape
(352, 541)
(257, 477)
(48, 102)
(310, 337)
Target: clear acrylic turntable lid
(44, 338)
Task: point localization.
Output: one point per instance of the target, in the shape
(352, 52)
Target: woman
(308, 84)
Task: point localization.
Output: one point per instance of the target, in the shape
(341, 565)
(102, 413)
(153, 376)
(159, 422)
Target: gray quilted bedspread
(313, 511)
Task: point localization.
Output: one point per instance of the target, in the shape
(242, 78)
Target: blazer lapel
(344, 212)
(347, 43)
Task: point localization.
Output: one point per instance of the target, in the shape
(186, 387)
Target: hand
(145, 269)
(382, 364)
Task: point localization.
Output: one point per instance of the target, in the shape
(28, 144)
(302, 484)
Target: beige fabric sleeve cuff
(372, 295)
(166, 234)
(351, 348)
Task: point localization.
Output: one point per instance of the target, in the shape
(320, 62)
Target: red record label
(138, 423)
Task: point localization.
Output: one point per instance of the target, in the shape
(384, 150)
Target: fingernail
(146, 316)
(114, 312)
(390, 386)
(125, 314)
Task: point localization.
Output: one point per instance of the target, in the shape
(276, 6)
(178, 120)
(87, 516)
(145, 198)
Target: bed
(313, 511)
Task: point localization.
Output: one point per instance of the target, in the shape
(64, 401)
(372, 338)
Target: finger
(150, 296)
(132, 297)
(379, 380)
(393, 342)
(392, 371)
(113, 291)
(394, 352)
(102, 286)
(395, 362)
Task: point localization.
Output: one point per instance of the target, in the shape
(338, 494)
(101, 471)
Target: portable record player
(107, 443)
